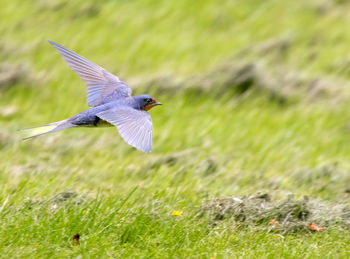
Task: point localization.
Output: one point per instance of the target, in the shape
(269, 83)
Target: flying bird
(111, 104)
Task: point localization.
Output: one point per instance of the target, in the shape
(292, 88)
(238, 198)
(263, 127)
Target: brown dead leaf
(314, 227)
(75, 239)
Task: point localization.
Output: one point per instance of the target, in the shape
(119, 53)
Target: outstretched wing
(135, 126)
(102, 86)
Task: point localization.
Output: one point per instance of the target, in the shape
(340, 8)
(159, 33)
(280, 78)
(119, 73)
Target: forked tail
(48, 128)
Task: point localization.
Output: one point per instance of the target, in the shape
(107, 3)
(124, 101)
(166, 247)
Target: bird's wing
(102, 86)
(135, 126)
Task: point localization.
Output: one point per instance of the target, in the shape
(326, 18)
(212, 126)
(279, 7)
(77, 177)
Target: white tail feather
(49, 128)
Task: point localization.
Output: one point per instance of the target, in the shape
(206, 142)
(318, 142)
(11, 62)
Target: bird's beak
(157, 103)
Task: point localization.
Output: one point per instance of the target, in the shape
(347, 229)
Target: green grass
(204, 147)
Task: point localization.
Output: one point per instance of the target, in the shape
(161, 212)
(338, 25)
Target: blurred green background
(255, 98)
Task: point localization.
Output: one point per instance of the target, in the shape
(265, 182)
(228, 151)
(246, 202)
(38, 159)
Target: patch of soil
(289, 215)
(57, 201)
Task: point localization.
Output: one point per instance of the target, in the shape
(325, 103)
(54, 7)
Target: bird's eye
(148, 100)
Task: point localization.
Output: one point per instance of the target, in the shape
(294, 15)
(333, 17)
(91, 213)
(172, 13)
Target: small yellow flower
(177, 213)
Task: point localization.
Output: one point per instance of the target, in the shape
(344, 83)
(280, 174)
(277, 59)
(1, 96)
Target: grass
(205, 147)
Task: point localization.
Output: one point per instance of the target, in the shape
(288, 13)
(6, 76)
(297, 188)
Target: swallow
(111, 104)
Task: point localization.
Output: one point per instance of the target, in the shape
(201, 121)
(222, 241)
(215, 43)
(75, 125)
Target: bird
(111, 104)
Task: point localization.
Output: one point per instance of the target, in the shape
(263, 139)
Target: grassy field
(231, 152)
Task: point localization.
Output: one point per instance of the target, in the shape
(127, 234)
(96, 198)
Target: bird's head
(146, 102)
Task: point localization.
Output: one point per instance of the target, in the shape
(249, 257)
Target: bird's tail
(47, 128)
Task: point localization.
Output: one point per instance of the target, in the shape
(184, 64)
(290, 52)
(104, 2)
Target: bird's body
(89, 118)
(111, 104)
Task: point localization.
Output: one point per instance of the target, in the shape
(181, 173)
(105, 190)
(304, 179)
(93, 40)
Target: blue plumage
(111, 102)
